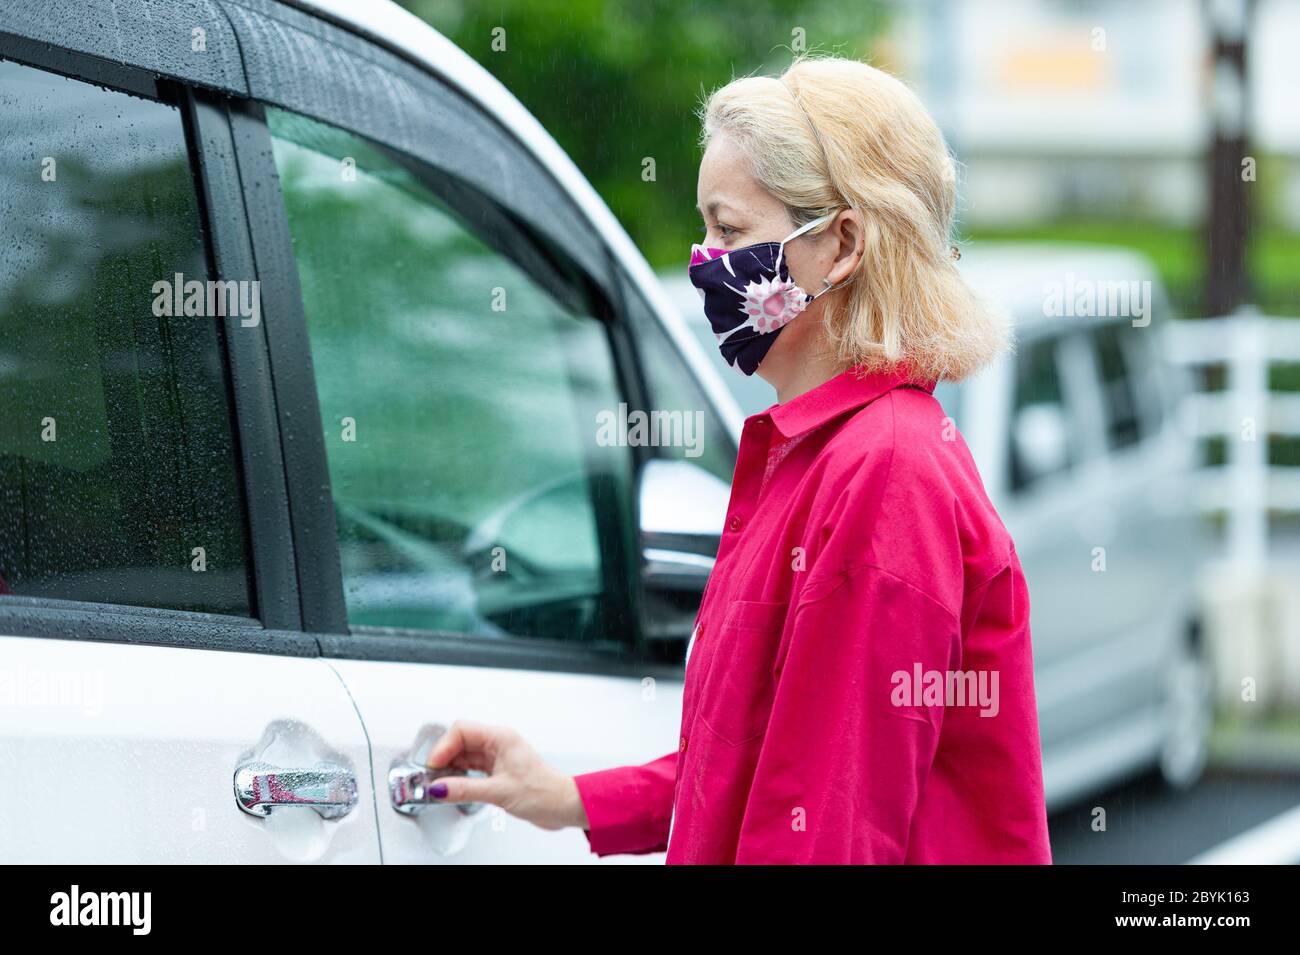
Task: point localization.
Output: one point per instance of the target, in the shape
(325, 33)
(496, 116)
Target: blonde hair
(833, 133)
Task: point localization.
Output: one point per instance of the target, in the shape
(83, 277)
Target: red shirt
(860, 685)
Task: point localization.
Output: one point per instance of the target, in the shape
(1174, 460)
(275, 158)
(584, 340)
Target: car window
(693, 431)
(462, 381)
(1043, 440)
(1119, 394)
(118, 477)
(1150, 374)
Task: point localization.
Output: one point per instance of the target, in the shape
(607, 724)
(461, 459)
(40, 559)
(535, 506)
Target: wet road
(1148, 824)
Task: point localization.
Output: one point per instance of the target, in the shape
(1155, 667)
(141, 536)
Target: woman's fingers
(518, 780)
(466, 738)
(470, 789)
(472, 761)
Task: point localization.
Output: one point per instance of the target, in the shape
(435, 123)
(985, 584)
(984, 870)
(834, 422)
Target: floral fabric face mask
(748, 296)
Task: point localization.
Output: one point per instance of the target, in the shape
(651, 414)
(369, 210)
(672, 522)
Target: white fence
(1252, 603)
(1245, 413)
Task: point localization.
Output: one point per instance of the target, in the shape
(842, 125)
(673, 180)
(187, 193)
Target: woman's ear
(848, 229)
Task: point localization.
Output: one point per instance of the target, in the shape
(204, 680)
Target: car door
(1148, 568)
(158, 702)
(474, 385)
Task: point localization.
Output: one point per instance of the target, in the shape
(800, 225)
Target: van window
(462, 375)
(118, 476)
(1043, 440)
(1119, 396)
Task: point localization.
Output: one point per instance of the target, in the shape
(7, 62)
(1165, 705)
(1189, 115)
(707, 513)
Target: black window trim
(512, 653)
(79, 66)
(276, 588)
(298, 418)
(51, 619)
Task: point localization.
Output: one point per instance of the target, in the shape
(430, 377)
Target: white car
(307, 334)
(1080, 445)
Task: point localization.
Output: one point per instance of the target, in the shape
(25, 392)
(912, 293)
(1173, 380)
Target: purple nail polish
(438, 790)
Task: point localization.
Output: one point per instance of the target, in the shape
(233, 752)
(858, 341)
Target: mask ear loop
(780, 252)
(829, 287)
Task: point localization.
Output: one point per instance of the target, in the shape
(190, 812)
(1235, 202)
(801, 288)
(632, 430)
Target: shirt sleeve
(629, 808)
(851, 739)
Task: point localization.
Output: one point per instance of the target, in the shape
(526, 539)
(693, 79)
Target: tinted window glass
(117, 466)
(1123, 422)
(462, 378)
(1043, 441)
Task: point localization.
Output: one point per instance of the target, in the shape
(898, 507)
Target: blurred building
(1062, 108)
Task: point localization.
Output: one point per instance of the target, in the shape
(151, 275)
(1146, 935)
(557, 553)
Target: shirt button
(735, 523)
(681, 745)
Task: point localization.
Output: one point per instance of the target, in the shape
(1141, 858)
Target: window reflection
(459, 396)
(117, 469)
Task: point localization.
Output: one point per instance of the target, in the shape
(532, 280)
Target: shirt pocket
(736, 699)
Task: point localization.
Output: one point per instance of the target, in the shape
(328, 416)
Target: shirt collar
(846, 392)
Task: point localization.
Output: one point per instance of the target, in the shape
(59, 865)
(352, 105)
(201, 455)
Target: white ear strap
(830, 287)
(780, 252)
(806, 226)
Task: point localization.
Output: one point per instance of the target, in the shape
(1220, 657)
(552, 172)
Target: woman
(859, 685)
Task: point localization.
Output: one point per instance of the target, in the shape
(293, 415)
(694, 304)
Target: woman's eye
(724, 231)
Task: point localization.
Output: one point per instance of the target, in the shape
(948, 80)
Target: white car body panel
(577, 722)
(133, 750)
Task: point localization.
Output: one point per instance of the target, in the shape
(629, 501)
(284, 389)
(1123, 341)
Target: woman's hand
(519, 780)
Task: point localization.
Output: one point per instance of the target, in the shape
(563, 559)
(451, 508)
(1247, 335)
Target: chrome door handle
(328, 788)
(409, 783)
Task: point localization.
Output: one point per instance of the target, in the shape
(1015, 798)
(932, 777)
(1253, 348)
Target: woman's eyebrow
(712, 208)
